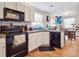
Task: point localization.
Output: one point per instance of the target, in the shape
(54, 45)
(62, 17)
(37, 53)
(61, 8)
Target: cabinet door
(32, 14)
(46, 39)
(11, 5)
(20, 7)
(27, 14)
(62, 40)
(32, 42)
(1, 10)
(39, 38)
(2, 50)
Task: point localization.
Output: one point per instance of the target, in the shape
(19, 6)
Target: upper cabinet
(28, 14)
(1, 10)
(32, 14)
(20, 7)
(27, 9)
(11, 5)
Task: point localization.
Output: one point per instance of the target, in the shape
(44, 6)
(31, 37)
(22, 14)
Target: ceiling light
(51, 6)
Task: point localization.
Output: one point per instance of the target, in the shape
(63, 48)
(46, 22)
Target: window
(69, 22)
(38, 17)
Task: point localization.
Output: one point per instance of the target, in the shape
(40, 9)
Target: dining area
(72, 33)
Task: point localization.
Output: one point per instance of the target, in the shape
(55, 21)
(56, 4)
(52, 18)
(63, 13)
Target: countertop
(29, 32)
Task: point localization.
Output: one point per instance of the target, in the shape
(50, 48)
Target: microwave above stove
(13, 15)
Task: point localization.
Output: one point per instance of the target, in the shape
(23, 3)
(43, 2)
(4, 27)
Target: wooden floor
(71, 49)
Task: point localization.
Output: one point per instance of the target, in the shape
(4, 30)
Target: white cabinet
(62, 40)
(32, 42)
(1, 10)
(39, 37)
(27, 14)
(20, 7)
(15, 5)
(35, 40)
(32, 14)
(11, 5)
(2, 47)
(2, 51)
(46, 38)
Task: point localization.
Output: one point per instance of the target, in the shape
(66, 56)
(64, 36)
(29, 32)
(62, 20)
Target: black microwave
(13, 15)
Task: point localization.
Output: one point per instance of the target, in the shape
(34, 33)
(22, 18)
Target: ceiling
(59, 8)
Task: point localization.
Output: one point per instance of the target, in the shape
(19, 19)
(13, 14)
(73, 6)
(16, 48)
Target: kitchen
(24, 28)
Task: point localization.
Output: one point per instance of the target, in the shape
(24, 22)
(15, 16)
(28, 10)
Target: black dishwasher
(55, 39)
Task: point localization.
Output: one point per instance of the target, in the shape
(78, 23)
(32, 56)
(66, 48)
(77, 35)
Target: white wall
(77, 24)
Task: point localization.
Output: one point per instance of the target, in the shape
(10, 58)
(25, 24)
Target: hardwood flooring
(71, 49)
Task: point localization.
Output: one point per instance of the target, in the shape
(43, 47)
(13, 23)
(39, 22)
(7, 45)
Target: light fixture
(51, 6)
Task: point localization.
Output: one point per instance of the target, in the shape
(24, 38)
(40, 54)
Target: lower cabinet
(2, 47)
(35, 41)
(38, 39)
(2, 50)
(62, 39)
(32, 42)
(46, 38)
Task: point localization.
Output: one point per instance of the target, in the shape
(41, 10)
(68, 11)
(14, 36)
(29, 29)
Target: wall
(43, 13)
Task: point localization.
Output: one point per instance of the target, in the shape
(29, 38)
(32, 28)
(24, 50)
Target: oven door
(16, 44)
(19, 39)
